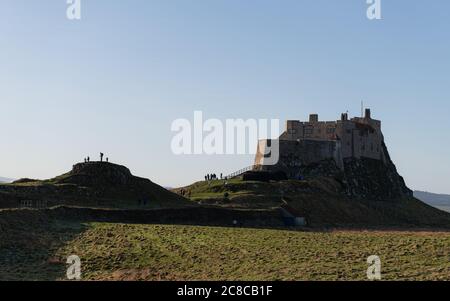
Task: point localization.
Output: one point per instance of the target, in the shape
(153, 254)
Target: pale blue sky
(115, 80)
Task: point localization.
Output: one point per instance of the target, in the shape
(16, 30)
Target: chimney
(344, 116)
(367, 116)
(313, 118)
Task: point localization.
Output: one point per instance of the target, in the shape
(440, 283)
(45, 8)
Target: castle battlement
(359, 136)
(307, 142)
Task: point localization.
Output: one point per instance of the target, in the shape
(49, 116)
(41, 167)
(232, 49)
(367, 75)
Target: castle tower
(313, 118)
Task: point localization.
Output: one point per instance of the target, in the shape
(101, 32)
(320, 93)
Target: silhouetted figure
(88, 159)
(107, 159)
(101, 157)
(221, 176)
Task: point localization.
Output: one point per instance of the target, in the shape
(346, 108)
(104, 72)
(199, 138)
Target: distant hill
(94, 184)
(441, 201)
(5, 180)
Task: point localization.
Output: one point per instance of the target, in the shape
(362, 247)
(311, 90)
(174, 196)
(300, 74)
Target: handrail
(240, 172)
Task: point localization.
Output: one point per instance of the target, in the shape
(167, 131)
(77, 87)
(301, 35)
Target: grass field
(166, 252)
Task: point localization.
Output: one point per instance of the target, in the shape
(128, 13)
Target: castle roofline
(314, 118)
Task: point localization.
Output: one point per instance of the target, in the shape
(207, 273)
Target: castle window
(309, 131)
(331, 130)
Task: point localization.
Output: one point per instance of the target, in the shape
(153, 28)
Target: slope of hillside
(362, 193)
(322, 201)
(97, 184)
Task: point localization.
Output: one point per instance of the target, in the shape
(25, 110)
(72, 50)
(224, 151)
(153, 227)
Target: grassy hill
(181, 239)
(93, 184)
(321, 201)
(108, 224)
(34, 245)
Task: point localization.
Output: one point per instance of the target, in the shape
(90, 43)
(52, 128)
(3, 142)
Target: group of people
(213, 176)
(88, 159)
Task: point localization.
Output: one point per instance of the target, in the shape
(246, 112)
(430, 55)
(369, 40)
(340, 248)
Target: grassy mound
(94, 184)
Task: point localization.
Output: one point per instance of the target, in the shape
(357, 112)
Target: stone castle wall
(305, 143)
(294, 154)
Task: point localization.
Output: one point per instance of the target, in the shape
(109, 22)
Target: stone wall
(294, 154)
(360, 137)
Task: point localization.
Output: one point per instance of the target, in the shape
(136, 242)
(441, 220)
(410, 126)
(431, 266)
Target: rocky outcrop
(373, 179)
(360, 178)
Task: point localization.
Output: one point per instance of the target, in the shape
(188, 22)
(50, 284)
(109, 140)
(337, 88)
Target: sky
(115, 80)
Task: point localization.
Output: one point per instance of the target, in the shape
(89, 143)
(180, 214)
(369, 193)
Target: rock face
(360, 178)
(368, 178)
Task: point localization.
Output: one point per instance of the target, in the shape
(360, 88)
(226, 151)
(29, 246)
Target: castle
(305, 143)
